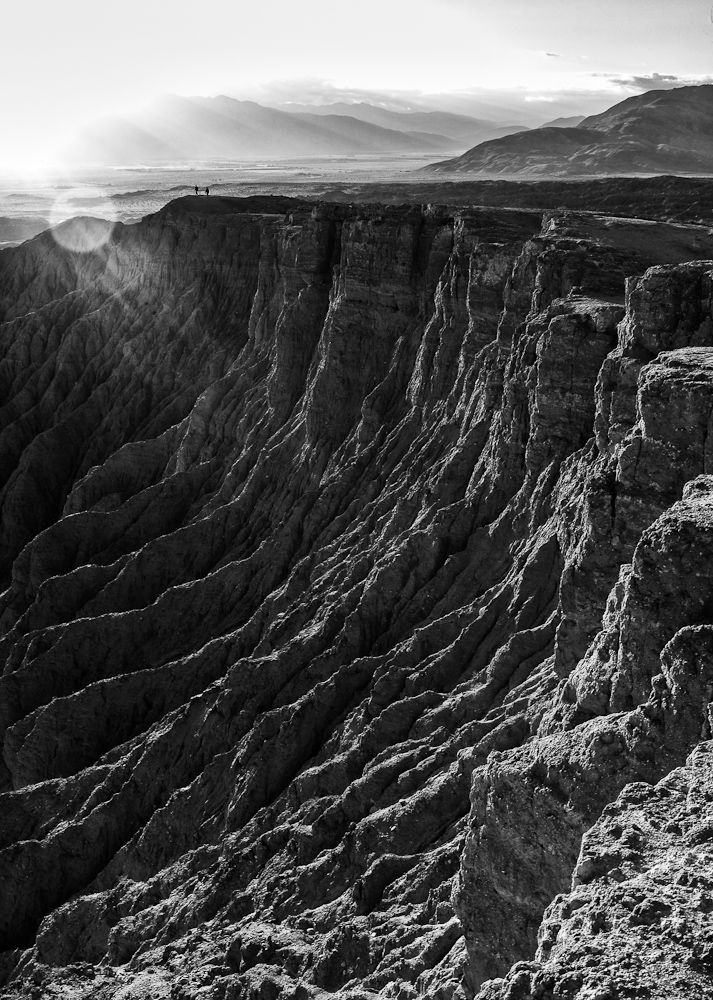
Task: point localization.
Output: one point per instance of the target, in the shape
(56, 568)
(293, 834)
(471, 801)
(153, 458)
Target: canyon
(356, 619)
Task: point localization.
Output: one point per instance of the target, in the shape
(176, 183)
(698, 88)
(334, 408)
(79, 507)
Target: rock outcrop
(355, 621)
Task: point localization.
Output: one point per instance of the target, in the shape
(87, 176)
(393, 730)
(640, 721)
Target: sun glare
(82, 219)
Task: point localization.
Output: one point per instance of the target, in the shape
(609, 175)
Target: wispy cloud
(519, 105)
(655, 81)
(594, 93)
(312, 90)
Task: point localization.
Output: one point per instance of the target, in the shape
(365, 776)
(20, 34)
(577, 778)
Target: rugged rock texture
(661, 131)
(637, 921)
(355, 563)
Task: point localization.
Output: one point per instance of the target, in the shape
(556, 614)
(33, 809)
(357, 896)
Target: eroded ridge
(355, 562)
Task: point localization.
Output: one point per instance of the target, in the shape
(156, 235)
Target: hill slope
(666, 131)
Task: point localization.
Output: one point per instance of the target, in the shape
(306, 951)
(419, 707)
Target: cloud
(655, 81)
(497, 105)
(517, 105)
(316, 91)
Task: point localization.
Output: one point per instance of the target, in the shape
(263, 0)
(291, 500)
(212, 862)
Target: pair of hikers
(207, 191)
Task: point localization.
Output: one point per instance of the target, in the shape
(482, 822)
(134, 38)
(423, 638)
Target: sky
(64, 62)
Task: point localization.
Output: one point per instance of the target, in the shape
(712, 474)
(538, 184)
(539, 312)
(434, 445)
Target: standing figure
(196, 189)
(207, 192)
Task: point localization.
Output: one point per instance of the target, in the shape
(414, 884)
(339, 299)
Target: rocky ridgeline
(356, 622)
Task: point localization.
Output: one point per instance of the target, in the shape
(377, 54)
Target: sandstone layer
(356, 609)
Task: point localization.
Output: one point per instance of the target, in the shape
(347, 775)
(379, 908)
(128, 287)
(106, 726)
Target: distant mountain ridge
(662, 131)
(177, 128)
(460, 128)
(571, 122)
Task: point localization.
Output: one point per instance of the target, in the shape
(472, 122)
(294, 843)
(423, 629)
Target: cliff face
(355, 563)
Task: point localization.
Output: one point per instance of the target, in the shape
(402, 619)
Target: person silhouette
(196, 189)
(207, 192)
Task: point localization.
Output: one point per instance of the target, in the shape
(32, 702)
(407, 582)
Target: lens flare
(83, 219)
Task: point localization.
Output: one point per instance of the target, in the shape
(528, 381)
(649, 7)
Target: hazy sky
(64, 61)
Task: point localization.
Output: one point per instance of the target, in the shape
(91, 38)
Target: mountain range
(665, 131)
(175, 128)
(461, 128)
(662, 131)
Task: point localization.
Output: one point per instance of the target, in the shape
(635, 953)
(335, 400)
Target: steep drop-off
(355, 564)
